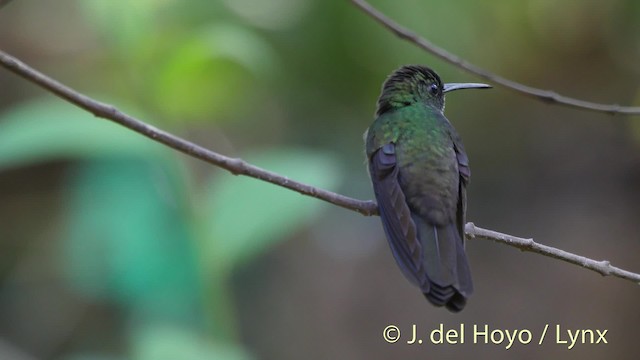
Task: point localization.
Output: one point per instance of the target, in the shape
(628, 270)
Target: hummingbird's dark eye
(433, 89)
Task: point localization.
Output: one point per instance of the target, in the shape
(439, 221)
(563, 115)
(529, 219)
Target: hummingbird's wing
(464, 273)
(463, 162)
(431, 257)
(465, 175)
(396, 216)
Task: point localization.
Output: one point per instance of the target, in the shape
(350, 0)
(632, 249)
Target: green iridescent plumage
(419, 171)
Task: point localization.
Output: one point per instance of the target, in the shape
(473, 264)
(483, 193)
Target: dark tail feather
(457, 303)
(446, 265)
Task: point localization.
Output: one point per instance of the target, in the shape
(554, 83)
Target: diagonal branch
(4, 2)
(602, 267)
(538, 94)
(239, 167)
(233, 165)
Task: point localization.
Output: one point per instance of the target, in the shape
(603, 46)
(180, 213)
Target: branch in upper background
(240, 167)
(539, 94)
(4, 2)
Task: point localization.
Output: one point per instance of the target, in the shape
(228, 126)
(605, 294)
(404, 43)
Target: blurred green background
(115, 247)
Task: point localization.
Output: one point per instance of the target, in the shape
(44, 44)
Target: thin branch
(233, 165)
(239, 167)
(4, 2)
(539, 94)
(602, 267)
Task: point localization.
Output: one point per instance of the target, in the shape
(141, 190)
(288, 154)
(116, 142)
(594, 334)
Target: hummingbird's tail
(449, 277)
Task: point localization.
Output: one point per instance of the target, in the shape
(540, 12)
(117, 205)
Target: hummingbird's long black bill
(459, 86)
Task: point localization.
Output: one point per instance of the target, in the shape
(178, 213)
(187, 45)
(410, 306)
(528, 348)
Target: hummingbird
(420, 171)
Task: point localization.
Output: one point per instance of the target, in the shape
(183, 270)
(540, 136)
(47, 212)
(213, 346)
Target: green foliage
(204, 73)
(211, 73)
(131, 238)
(170, 343)
(128, 239)
(124, 27)
(42, 130)
(248, 216)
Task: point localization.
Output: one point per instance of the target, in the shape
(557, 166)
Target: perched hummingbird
(420, 171)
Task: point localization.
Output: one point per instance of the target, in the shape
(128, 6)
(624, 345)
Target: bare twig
(539, 94)
(233, 165)
(603, 267)
(4, 2)
(240, 167)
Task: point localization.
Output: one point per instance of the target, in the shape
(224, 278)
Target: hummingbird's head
(412, 84)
